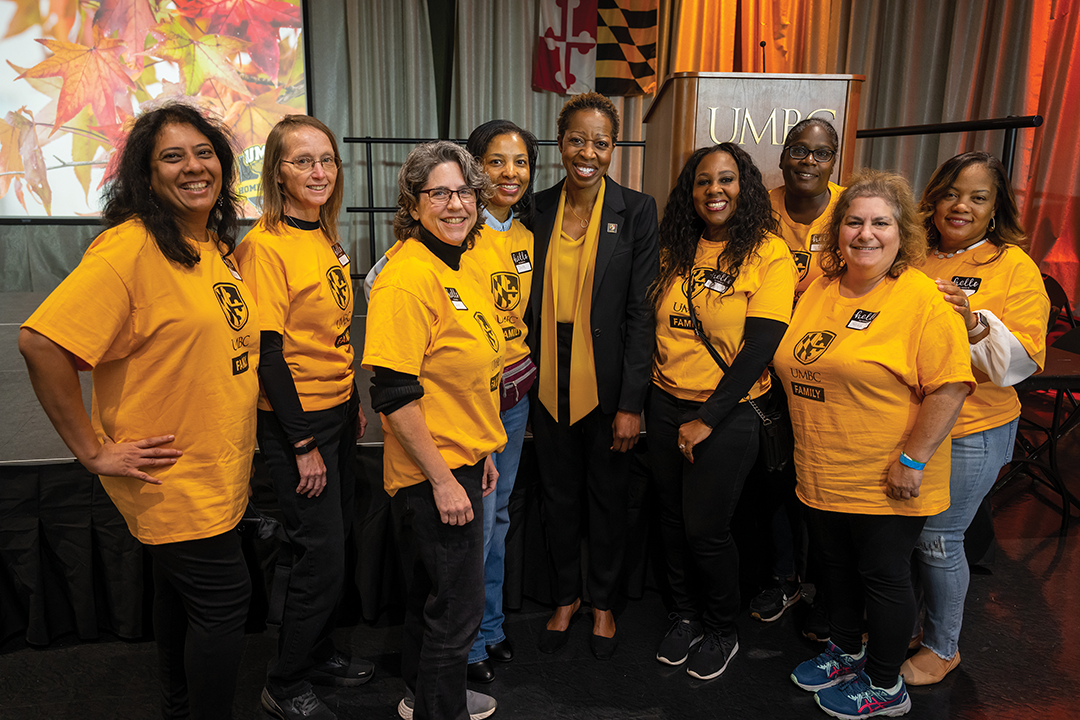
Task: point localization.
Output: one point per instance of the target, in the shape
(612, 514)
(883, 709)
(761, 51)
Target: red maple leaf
(256, 21)
(132, 19)
(91, 76)
(203, 57)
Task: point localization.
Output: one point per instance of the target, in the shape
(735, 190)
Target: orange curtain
(1051, 208)
(801, 36)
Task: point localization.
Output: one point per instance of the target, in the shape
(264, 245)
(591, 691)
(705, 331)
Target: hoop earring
(993, 225)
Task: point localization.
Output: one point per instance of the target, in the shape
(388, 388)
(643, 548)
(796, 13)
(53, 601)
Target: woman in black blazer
(592, 338)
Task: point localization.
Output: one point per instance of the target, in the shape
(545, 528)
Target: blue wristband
(907, 461)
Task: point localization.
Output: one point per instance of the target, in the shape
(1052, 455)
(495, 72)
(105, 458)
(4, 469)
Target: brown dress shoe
(926, 668)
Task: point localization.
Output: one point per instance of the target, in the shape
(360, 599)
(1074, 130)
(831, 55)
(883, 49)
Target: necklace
(584, 223)
(961, 251)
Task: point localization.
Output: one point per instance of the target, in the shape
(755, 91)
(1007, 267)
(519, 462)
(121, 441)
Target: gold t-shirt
(428, 320)
(302, 285)
(804, 241)
(765, 286)
(1012, 288)
(174, 351)
(855, 371)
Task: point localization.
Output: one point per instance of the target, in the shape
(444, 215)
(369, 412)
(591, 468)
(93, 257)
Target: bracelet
(305, 448)
(907, 461)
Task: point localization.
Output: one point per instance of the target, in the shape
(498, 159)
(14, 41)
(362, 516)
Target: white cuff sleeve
(1000, 355)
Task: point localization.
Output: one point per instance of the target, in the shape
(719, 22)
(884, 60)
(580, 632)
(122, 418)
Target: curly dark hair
(128, 193)
(477, 145)
(415, 172)
(894, 190)
(1007, 228)
(682, 227)
(589, 101)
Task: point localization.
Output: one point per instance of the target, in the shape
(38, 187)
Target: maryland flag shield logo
(802, 262)
(693, 285)
(813, 345)
(486, 327)
(232, 304)
(340, 287)
(506, 290)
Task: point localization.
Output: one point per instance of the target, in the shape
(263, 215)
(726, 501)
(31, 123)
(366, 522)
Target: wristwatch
(979, 325)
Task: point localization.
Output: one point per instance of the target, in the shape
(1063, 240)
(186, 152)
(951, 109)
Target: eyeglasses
(798, 152)
(441, 195)
(306, 164)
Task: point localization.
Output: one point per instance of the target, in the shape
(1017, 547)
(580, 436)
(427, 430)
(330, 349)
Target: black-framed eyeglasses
(306, 164)
(441, 195)
(799, 152)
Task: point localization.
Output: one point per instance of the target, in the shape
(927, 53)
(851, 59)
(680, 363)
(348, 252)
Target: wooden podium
(694, 109)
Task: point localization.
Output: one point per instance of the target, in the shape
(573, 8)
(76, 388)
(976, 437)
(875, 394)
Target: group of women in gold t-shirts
(895, 330)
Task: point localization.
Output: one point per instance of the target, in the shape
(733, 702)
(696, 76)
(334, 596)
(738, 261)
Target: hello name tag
(455, 298)
(340, 252)
(817, 242)
(861, 320)
(232, 268)
(970, 285)
(521, 261)
(718, 281)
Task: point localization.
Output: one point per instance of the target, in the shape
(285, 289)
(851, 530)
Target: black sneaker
(771, 602)
(816, 625)
(712, 656)
(681, 637)
(302, 707)
(342, 670)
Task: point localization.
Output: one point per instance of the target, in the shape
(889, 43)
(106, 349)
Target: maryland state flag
(603, 45)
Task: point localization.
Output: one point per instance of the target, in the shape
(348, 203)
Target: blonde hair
(894, 190)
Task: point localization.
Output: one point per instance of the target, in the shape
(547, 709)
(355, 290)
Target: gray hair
(414, 174)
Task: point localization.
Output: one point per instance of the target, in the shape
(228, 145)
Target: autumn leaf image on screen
(76, 73)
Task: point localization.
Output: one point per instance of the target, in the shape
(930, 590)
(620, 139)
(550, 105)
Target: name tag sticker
(817, 242)
(861, 320)
(232, 268)
(340, 252)
(455, 298)
(970, 285)
(521, 261)
(718, 281)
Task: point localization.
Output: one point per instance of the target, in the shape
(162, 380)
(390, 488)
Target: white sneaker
(480, 705)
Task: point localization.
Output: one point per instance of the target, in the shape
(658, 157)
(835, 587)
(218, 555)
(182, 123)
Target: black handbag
(777, 437)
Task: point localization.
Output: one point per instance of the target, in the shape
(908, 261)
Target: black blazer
(627, 260)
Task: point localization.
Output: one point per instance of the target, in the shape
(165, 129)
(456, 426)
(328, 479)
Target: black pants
(866, 566)
(201, 595)
(697, 501)
(317, 528)
(585, 487)
(445, 598)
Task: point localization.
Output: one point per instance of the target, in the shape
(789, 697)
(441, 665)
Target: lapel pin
(612, 228)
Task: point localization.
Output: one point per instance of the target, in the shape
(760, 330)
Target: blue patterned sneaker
(831, 667)
(859, 699)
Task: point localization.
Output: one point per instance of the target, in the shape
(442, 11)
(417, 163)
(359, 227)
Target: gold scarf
(583, 396)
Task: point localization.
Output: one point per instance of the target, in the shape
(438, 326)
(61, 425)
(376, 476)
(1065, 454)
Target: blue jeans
(943, 568)
(496, 524)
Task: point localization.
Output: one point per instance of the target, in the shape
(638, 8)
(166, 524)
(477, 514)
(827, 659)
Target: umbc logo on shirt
(813, 345)
(486, 327)
(232, 304)
(802, 262)
(506, 289)
(339, 286)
